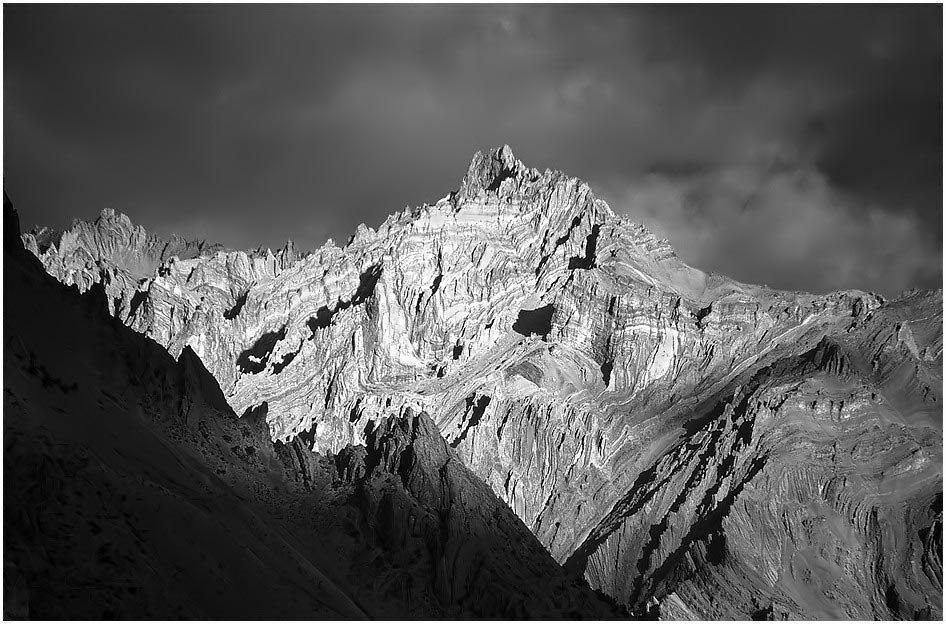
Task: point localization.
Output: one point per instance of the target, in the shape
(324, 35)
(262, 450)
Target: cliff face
(691, 445)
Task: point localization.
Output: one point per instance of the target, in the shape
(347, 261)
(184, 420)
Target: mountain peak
(109, 215)
(502, 155)
(489, 169)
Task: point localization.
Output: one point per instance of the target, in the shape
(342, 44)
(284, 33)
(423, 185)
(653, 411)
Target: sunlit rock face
(691, 445)
(110, 250)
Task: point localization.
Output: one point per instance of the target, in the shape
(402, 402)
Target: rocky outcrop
(663, 432)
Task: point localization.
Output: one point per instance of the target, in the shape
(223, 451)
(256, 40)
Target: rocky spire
(488, 170)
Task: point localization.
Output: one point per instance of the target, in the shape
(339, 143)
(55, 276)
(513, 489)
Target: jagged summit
(109, 214)
(562, 209)
(489, 169)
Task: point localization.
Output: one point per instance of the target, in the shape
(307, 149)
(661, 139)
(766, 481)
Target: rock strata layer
(692, 446)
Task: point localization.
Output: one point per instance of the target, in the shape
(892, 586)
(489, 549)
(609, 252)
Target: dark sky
(798, 146)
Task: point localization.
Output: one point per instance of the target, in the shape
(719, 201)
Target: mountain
(690, 446)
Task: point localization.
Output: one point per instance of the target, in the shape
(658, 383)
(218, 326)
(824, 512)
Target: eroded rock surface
(690, 445)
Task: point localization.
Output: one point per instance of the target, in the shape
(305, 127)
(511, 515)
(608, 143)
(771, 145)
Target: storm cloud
(798, 146)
